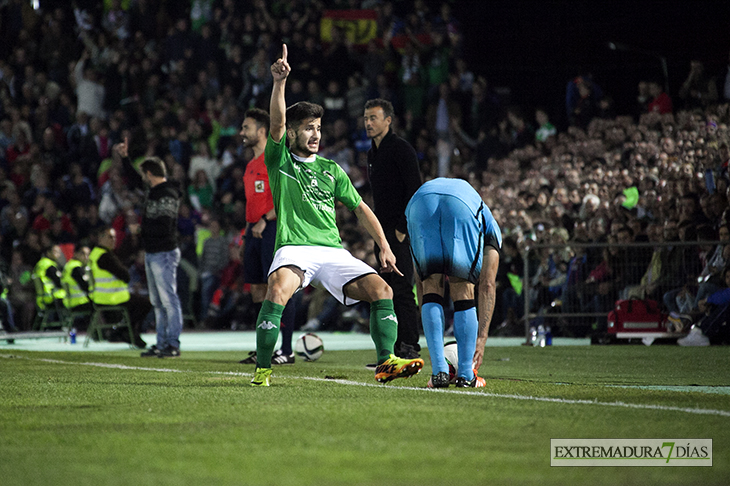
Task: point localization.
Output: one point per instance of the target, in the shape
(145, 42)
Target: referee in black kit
(394, 177)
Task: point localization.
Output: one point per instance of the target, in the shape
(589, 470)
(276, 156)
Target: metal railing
(584, 300)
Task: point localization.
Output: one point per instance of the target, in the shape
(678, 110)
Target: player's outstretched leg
(383, 330)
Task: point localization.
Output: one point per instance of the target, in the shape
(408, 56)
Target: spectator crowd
(175, 77)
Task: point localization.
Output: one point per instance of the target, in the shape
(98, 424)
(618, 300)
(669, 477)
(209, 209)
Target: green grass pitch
(115, 419)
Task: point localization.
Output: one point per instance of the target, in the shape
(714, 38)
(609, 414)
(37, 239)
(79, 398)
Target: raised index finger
(283, 53)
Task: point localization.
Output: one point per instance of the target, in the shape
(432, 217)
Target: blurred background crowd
(176, 76)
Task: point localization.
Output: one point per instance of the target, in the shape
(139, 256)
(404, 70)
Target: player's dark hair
(301, 111)
(386, 105)
(261, 118)
(155, 166)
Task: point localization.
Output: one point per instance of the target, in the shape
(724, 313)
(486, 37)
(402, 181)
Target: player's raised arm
(277, 110)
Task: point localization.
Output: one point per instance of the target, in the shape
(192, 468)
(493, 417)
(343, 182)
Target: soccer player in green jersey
(308, 248)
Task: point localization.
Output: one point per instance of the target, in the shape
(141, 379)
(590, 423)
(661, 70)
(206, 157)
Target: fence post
(525, 292)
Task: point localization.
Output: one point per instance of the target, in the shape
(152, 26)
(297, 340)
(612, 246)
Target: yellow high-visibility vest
(76, 295)
(45, 289)
(108, 289)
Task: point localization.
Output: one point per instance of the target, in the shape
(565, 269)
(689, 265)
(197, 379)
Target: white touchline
(565, 401)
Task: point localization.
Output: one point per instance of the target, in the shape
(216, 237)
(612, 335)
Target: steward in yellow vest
(111, 284)
(47, 276)
(76, 280)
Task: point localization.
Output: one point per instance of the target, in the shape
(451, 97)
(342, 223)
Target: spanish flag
(360, 26)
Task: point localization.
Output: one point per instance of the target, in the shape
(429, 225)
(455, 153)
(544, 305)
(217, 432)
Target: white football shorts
(330, 268)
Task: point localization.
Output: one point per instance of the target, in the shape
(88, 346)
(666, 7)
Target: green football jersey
(305, 191)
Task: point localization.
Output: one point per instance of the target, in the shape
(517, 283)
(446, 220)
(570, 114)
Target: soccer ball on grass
(309, 347)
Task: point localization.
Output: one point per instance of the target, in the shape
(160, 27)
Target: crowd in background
(175, 77)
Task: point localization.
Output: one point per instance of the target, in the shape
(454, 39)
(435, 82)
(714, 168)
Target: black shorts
(258, 255)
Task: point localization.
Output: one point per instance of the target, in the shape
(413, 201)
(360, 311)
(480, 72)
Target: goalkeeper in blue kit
(454, 234)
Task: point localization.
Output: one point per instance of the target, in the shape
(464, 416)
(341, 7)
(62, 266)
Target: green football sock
(383, 327)
(267, 332)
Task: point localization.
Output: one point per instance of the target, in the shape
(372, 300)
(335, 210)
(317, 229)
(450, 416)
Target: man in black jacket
(162, 255)
(394, 178)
